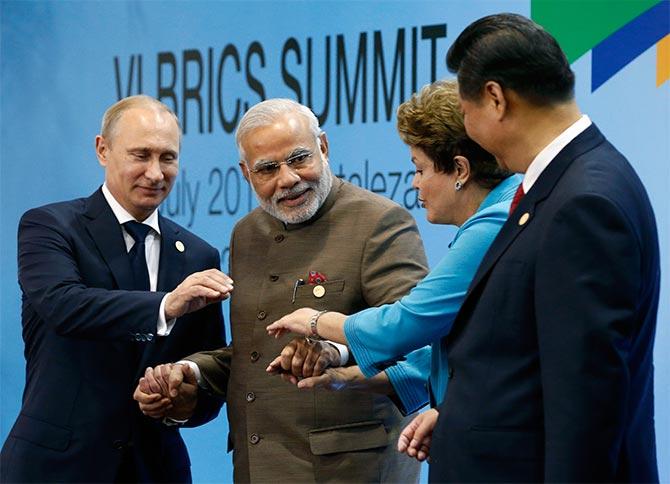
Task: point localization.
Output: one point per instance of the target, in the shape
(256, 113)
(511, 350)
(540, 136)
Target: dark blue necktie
(138, 260)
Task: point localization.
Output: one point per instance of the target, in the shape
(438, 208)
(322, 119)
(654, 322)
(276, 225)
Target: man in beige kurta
(368, 250)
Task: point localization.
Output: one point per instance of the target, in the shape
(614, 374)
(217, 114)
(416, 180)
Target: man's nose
(287, 176)
(153, 171)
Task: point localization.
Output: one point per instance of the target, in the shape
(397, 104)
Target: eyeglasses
(266, 170)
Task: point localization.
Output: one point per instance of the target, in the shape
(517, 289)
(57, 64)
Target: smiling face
(291, 195)
(141, 159)
(436, 189)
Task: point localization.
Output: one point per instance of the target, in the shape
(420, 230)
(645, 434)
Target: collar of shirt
(122, 214)
(549, 152)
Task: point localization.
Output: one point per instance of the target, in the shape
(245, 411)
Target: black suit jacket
(551, 353)
(87, 341)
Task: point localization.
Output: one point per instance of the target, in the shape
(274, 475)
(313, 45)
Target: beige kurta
(371, 253)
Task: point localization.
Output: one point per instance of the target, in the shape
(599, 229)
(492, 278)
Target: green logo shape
(580, 25)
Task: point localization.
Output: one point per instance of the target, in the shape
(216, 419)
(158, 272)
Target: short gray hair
(116, 110)
(267, 112)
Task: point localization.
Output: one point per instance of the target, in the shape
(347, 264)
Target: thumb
(189, 375)
(175, 380)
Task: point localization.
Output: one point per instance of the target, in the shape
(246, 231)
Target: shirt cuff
(344, 352)
(164, 327)
(196, 371)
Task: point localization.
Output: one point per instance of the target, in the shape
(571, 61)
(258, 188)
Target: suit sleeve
(212, 337)
(215, 364)
(53, 288)
(394, 260)
(214, 368)
(585, 305)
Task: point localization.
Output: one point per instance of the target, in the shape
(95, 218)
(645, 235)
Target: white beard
(301, 213)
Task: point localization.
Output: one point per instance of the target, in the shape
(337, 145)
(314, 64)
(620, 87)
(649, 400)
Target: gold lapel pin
(319, 291)
(524, 218)
(180, 246)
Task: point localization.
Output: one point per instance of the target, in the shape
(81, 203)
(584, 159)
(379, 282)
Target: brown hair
(432, 120)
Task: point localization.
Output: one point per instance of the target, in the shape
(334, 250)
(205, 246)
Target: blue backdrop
(64, 63)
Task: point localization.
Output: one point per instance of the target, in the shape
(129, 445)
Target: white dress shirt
(549, 152)
(152, 252)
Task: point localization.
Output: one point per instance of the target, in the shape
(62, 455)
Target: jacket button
(279, 238)
(251, 396)
(261, 315)
(138, 337)
(254, 439)
(254, 356)
(451, 373)
(274, 277)
(150, 336)
(118, 444)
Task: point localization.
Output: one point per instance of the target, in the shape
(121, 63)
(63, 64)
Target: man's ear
(245, 170)
(495, 97)
(101, 149)
(324, 145)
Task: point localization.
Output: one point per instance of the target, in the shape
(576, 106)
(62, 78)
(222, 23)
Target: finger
(219, 276)
(288, 353)
(146, 398)
(407, 434)
(150, 378)
(321, 381)
(189, 374)
(310, 362)
(143, 386)
(175, 379)
(297, 362)
(162, 373)
(287, 377)
(162, 404)
(275, 366)
(422, 454)
(323, 362)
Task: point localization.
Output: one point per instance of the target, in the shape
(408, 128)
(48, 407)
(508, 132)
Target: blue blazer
(551, 353)
(88, 339)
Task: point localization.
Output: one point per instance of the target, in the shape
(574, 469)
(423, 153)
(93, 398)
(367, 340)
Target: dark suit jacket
(87, 341)
(551, 352)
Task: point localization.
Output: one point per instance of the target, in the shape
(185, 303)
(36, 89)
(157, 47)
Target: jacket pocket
(41, 433)
(348, 438)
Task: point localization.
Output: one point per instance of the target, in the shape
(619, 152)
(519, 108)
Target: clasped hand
(301, 362)
(169, 390)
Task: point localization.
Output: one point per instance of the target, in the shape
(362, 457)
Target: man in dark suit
(102, 299)
(551, 352)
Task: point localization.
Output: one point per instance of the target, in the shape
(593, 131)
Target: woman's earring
(458, 185)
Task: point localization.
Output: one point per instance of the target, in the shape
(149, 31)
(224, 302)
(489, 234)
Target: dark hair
(432, 120)
(516, 53)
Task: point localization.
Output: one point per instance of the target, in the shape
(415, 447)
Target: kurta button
(451, 373)
(118, 444)
(261, 315)
(254, 438)
(255, 355)
(279, 238)
(251, 396)
(274, 277)
(150, 336)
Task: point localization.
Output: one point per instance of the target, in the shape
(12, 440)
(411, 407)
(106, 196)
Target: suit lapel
(541, 189)
(106, 233)
(172, 260)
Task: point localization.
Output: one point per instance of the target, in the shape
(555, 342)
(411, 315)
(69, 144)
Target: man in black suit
(103, 297)
(551, 352)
